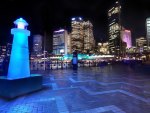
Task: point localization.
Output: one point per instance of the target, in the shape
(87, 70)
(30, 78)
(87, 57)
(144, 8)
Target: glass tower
(114, 29)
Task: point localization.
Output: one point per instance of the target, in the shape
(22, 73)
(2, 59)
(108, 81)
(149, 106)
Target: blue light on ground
(19, 60)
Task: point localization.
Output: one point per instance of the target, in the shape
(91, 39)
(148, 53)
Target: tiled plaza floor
(112, 89)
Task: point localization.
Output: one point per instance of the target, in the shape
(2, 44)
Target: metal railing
(60, 65)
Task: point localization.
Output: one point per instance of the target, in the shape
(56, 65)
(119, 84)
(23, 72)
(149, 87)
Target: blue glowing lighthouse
(19, 59)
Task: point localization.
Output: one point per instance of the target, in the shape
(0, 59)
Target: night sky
(44, 16)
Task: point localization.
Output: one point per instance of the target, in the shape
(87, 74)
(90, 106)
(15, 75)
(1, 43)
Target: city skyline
(49, 16)
(74, 56)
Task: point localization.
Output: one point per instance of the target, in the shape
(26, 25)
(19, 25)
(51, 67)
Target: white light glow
(21, 25)
(73, 19)
(62, 51)
(61, 30)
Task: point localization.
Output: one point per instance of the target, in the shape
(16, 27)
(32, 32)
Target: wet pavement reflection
(111, 89)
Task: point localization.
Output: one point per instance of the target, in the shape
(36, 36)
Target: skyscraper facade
(148, 30)
(77, 38)
(141, 44)
(5, 51)
(103, 48)
(61, 42)
(114, 29)
(89, 42)
(82, 38)
(126, 38)
(69, 43)
(8, 49)
(2, 53)
(37, 44)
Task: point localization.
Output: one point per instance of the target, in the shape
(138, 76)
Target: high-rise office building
(103, 48)
(82, 38)
(141, 44)
(114, 29)
(148, 30)
(89, 42)
(37, 44)
(69, 44)
(3, 50)
(77, 38)
(61, 42)
(8, 49)
(126, 38)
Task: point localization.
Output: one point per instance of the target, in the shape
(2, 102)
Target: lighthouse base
(11, 88)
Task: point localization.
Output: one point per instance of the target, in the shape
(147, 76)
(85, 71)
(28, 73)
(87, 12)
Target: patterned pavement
(112, 89)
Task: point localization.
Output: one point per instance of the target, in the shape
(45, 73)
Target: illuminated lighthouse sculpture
(19, 59)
